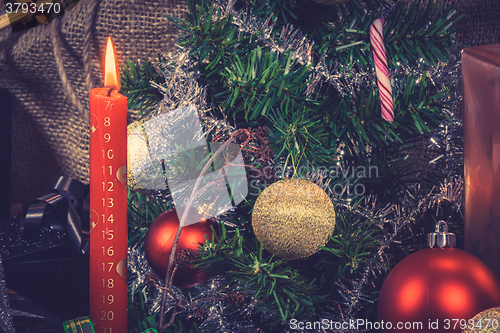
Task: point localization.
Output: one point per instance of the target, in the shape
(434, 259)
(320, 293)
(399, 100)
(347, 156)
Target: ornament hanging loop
(441, 237)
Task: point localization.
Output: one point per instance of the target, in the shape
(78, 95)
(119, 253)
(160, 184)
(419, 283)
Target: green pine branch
(142, 211)
(307, 14)
(282, 293)
(247, 82)
(356, 122)
(210, 36)
(419, 36)
(136, 81)
(260, 82)
(298, 135)
(138, 311)
(257, 86)
(412, 36)
(354, 245)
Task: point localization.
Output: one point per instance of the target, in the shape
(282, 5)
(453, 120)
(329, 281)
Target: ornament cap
(441, 237)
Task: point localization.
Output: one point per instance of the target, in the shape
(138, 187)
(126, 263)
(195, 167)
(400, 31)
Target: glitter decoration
(222, 315)
(487, 321)
(6, 325)
(14, 245)
(354, 297)
(446, 141)
(143, 286)
(181, 88)
(292, 218)
(289, 39)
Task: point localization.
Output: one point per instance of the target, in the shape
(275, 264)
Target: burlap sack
(50, 70)
(46, 69)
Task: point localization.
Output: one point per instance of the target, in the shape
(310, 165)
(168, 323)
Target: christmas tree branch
(305, 71)
(281, 291)
(136, 85)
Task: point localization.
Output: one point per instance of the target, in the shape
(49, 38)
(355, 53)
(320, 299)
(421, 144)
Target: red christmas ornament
(160, 239)
(433, 289)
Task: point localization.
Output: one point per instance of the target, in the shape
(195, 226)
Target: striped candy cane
(383, 80)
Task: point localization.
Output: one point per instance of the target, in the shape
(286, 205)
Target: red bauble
(158, 245)
(436, 284)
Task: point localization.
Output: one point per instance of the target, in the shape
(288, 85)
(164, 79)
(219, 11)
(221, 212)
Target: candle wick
(109, 91)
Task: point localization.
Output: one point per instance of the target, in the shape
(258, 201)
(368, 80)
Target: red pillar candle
(108, 203)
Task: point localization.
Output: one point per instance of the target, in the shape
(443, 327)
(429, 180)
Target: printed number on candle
(110, 187)
(110, 170)
(107, 315)
(110, 202)
(107, 137)
(110, 218)
(108, 234)
(110, 266)
(110, 299)
(110, 154)
(109, 284)
(110, 251)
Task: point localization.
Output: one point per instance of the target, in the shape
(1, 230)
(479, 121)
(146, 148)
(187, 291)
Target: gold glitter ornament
(136, 151)
(487, 321)
(292, 218)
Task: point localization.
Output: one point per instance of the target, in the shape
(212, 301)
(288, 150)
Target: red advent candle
(108, 203)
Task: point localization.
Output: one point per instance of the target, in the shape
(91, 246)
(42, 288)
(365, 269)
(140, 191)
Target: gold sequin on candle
(292, 218)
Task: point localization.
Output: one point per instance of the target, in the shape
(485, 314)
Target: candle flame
(110, 70)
